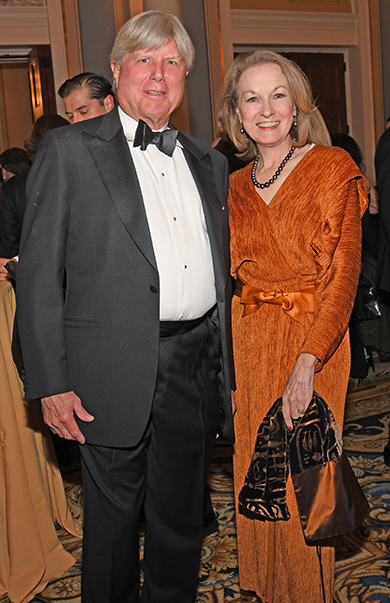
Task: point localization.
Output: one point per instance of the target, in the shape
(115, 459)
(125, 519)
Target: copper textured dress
(32, 492)
(309, 235)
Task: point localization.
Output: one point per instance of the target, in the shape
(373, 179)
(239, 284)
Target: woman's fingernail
(290, 428)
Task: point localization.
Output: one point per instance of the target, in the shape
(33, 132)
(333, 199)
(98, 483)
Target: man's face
(150, 83)
(80, 106)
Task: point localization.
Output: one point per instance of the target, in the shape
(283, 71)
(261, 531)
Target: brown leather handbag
(329, 497)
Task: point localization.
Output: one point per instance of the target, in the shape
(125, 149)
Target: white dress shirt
(178, 229)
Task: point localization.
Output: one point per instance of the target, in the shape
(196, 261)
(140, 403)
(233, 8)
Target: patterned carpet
(363, 557)
(363, 564)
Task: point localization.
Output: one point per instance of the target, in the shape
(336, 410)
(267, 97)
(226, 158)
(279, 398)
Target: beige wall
(347, 30)
(321, 6)
(98, 31)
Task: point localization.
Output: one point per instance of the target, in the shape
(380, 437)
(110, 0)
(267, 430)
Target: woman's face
(265, 104)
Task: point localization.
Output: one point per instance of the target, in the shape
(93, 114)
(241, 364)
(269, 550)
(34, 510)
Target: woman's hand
(298, 390)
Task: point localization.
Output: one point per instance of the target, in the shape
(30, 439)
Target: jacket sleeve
(40, 295)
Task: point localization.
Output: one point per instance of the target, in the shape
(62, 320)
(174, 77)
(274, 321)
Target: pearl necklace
(277, 173)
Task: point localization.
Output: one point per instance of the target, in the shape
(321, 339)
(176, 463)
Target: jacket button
(153, 288)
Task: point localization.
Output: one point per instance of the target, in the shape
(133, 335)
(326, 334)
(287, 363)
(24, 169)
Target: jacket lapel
(111, 155)
(201, 168)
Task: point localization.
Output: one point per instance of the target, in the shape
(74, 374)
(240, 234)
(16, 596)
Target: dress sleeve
(338, 257)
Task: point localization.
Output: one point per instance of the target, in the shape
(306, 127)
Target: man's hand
(4, 274)
(58, 413)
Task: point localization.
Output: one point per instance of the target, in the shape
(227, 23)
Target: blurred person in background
(13, 192)
(14, 161)
(224, 145)
(86, 95)
(365, 329)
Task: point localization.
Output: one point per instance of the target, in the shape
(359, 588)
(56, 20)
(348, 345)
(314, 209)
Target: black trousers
(164, 475)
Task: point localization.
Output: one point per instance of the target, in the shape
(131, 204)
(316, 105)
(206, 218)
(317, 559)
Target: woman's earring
(295, 123)
(242, 128)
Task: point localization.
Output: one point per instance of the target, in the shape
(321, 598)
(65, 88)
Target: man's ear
(115, 68)
(109, 103)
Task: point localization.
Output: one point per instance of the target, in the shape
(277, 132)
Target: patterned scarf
(314, 440)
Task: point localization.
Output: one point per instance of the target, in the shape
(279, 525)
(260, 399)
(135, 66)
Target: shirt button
(174, 219)
(153, 288)
(163, 174)
(185, 266)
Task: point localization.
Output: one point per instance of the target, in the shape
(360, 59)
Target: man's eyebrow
(141, 53)
(147, 54)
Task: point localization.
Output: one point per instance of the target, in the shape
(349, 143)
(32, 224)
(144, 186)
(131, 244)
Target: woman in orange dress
(296, 236)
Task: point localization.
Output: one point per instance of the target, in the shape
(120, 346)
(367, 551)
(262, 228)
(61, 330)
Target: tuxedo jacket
(382, 168)
(85, 220)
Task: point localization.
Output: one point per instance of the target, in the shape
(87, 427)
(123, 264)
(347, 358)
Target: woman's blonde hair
(151, 30)
(311, 127)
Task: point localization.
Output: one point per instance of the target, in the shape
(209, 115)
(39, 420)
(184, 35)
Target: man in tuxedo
(136, 363)
(86, 95)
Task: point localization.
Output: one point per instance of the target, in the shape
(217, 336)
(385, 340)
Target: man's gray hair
(151, 30)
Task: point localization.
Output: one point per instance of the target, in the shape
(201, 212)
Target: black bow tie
(165, 141)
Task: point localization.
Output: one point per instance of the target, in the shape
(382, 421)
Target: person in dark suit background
(86, 95)
(13, 161)
(13, 191)
(382, 169)
(14, 164)
(136, 365)
(12, 206)
(224, 145)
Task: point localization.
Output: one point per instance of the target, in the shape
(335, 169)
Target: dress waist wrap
(295, 304)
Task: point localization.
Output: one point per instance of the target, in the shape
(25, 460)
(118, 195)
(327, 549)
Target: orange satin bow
(295, 304)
